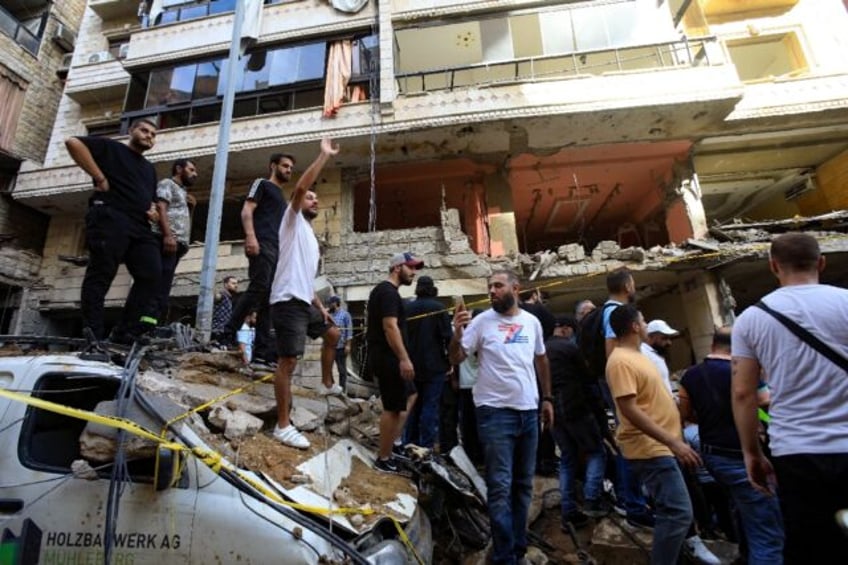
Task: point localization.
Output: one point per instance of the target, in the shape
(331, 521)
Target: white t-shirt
(809, 393)
(506, 348)
(297, 263)
(659, 361)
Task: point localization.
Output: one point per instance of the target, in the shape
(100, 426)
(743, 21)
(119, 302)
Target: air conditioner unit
(806, 184)
(64, 38)
(123, 51)
(64, 66)
(100, 57)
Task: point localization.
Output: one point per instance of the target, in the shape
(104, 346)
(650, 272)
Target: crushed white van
(56, 507)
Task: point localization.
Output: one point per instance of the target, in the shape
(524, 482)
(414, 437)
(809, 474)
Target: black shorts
(294, 320)
(394, 389)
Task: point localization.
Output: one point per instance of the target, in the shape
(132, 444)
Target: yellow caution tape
(212, 459)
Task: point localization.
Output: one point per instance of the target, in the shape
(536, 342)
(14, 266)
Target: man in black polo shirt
(705, 398)
(261, 216)
(117, 228)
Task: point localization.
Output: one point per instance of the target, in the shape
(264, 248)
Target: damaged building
(564, 139)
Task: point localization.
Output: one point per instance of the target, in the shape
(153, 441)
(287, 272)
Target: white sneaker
(334, 390)
(291, 437)
(699, 551)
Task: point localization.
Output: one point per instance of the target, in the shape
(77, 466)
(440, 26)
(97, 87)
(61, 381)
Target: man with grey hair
(583, 307)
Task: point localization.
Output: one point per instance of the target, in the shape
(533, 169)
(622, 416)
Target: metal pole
(219, 177)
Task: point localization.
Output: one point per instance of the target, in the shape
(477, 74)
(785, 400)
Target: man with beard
(296, 311)
(174, 207)
(510, 347)
(656, 347)
(261, 215)
(388, 355)
(117, 228)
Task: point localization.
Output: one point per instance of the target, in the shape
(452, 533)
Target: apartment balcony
(113, 9)
(99, 78)
(664, 90)
(213, 34)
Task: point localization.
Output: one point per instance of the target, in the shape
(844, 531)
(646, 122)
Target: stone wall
(44, 88)
(363, 258)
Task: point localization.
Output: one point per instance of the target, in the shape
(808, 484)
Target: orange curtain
(339, 63)
(12, 95)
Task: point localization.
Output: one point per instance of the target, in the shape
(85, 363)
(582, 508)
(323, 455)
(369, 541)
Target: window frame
(107, 386)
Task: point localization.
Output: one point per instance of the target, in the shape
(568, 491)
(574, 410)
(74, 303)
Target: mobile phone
(458, 303)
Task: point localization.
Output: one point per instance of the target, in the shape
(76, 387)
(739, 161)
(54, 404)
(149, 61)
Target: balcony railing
(19, 31)
(686, 52)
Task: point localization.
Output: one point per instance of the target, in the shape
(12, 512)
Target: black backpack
(592, 341)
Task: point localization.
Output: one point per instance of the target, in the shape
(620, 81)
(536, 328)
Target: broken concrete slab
(571, 252)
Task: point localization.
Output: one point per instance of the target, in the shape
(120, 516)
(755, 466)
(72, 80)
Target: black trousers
(113, 238)
(163, 291)
(811, 489)
(260, 270)
(341, 365)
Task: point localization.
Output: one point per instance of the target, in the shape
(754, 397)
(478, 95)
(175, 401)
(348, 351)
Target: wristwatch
(548, 399)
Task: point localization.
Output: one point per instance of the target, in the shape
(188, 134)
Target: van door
(52, 516)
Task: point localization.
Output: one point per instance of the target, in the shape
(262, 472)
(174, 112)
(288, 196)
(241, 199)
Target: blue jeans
(759, 514)
(569, 436)
(509, 438)
(422, 424)
(664, 481)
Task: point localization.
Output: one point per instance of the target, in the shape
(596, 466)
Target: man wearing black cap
(388, 354)
(429, 336)
(576, 429)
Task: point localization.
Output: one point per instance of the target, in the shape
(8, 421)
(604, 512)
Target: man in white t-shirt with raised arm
(808, 430)
(296, 311)
(510, 347)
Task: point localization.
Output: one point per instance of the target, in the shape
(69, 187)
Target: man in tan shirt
(649, 433)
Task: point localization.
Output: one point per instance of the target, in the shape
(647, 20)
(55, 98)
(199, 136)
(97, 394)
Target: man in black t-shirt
(118, 228)
(388, 354)
(576, 428)
(261, 215)
(429, 335)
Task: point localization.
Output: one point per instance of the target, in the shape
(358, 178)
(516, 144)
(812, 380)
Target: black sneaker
(390, 465)
(398, 451)
(577, 519)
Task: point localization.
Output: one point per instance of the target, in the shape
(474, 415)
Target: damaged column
(685, 217)
(707, 305)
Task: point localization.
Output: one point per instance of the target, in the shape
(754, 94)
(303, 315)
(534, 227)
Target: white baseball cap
(659, 326)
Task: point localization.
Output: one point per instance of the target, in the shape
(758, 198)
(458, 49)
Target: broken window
(767, 57)
(24, 22)
(51, 442)
(274, 80)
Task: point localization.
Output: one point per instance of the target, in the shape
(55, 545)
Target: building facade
(473, 133)
(36, 38)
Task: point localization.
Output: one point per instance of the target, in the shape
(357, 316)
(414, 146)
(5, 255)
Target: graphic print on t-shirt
(513, 333)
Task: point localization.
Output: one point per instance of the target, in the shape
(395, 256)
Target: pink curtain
(339, 64)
